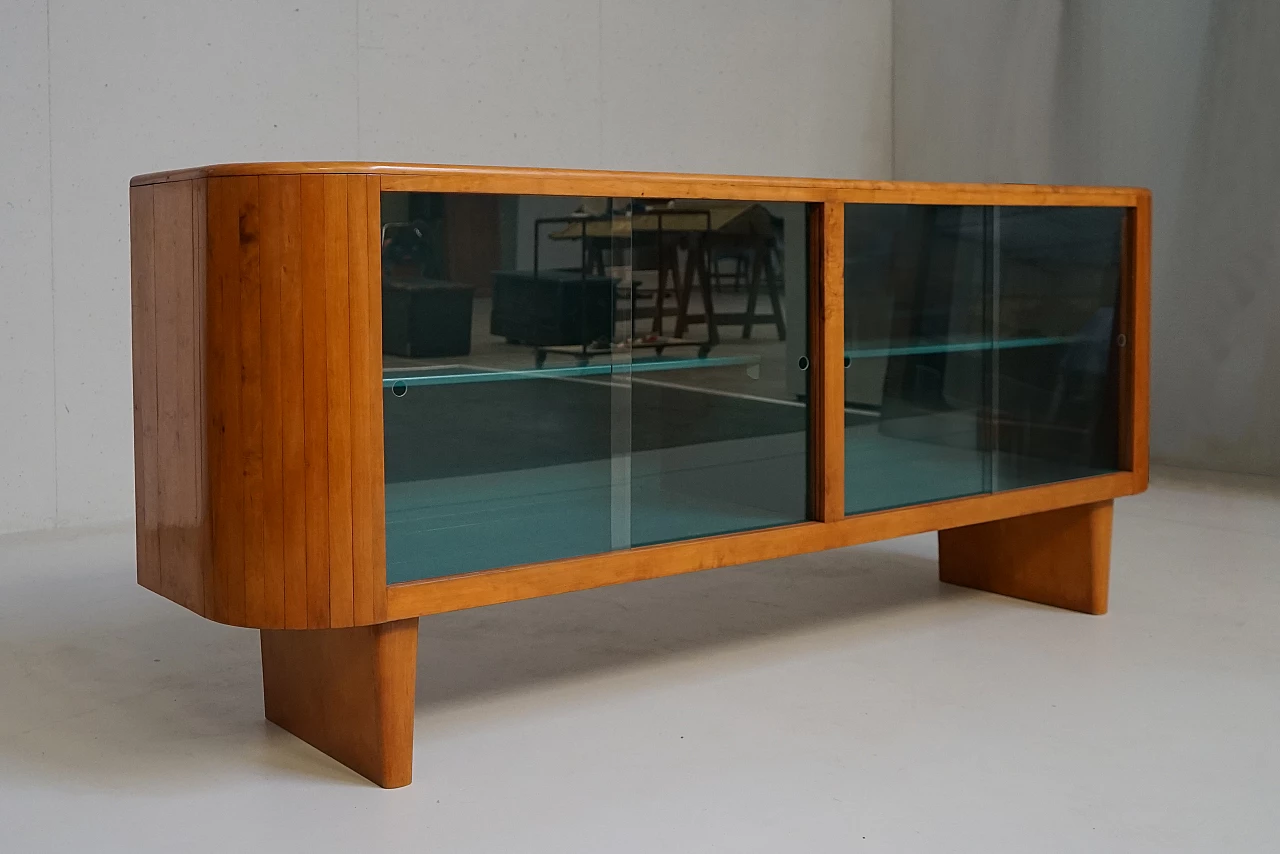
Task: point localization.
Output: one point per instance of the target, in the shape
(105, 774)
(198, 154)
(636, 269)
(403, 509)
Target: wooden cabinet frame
(257, 359)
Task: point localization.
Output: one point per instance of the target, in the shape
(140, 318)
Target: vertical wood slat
(228, 200)
(315, 398)
(199, 338)
(338, 335)
(364, 588)
(294, 473)
(177, 384)
(251, 426)
(374, 425)
(166, 261)
(1138, 364)
(274, 496)
(826, 345)
(142, 306)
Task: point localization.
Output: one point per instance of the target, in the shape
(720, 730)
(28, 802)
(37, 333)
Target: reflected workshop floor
(521, 471)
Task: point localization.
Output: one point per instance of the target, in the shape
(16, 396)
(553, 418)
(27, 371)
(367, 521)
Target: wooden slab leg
(348, 693)
(1060, 558)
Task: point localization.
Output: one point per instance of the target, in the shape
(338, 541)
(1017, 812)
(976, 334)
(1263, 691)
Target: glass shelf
(454, 374)
(959, 347)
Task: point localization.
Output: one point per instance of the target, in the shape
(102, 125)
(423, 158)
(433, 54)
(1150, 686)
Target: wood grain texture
(433, 596)
(1137, 372)
(178, 385)
(287, 193)
(826, 344)
(251, 388)
(251, 404)
(347, 692)
(271, 256)
(1060, 557)
(494, 179)
(145, 409)
(315, 384)
(338, 429)
(225, 583)
(200, 341)
(366, 376)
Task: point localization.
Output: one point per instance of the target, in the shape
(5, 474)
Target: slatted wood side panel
(168, 319)
(295, 372)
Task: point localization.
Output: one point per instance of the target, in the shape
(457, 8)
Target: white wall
(1175, 95)
(92, 93)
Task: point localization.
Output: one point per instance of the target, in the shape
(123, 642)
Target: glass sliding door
(981, 349)
(917, 354)
(1057, 356)
(567, 376)
(719, 427)
(499, 327)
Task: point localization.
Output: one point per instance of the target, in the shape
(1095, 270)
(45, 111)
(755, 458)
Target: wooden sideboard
(263, 401)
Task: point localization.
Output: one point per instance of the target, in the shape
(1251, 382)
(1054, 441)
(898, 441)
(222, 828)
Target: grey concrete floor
(836, 702)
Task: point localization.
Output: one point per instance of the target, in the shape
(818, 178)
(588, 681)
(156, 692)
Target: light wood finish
(173, 519)
(1060, 557)
(338, 432)
(281, 254)
(255, 498)
(142, 239)
(579, 182)
(1136, 374)
(365, 306)
(258, 403)
(438, 595)
(258, 438)
(347, 692)
(826, 342)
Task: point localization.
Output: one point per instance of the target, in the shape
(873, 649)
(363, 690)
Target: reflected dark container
(426, 317)
(552, 308)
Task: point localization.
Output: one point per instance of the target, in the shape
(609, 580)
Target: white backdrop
(1182, 96)
(92, 93)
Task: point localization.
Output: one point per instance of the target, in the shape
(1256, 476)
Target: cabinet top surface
(639, 183)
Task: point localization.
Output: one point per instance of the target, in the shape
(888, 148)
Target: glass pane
(499, 402)
(1056, 360)
(918, 353)
(719, 381)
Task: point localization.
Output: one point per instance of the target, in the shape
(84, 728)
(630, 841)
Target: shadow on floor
(102, 683)
(508, 648)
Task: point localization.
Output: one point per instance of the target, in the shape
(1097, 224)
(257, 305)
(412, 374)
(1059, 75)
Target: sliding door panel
(1057, 355)
(917, 354)
(719, 374)
(981, 349)
(499, 322)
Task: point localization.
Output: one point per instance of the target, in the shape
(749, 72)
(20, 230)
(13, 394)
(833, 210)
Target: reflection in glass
(1056, 400)
(568, 376)
(720, 444)
(917, 346)
(980, 349)
(490, 461)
